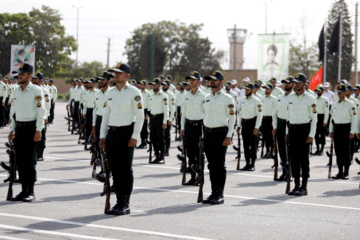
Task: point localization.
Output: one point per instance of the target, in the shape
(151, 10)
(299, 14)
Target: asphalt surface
(68, 205)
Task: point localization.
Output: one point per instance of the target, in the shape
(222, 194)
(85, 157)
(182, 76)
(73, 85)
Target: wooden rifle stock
(276, 163)
(330, 155)
(288, 168)
(239, 152)
(184, 163)
(201, 168)
(12, 173)
(107, 178)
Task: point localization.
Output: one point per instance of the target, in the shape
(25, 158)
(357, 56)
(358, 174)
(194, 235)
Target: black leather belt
(98, 117)
(194, 122)
(25, 124)
(267, 117)
(157, 115)
(122, 128)
(248, 120)
(215, 130)
(301, 125)
(281, 120)
(341, 124)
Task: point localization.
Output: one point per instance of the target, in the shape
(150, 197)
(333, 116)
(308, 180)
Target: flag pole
(340, 46)
(324, 69)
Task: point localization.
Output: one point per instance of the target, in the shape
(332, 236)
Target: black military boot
(192, 180)
(247, 166)
(296, 188)
(340, 173)
(21, 195)
(40, 154)
(125, 206)
(346, 173)
(166, 154)
(252, 165)
(29, 196)
(157, 157)
(118, 205)
(303, 189)
(219, 197)
(211, 197)
(321, 151)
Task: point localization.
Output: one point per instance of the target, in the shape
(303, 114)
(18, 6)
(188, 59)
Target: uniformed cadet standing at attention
(120, 128)
(279, 122)
(145, 97)
(178, 102)
(302, 118)
(219, 120)
(268, 105)
(54, 93)
(250, 118)
(342, 128)
(26, 127)
(322, 107)
(38, 80)
(158, 107)
(348, 95)
(276, 90)
(3, 95)
(89, 104)
(171, 98)
(192, 121)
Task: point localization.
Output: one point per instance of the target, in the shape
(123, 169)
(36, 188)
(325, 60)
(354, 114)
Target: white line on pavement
(53, 232)
(96, 226)
(11, 238)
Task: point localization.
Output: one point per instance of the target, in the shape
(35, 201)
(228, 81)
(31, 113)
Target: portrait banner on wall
(273, 60)
(21, 54)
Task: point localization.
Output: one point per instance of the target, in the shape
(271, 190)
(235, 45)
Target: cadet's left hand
(351, 136)
(169, 123)
(256, 131)
(309, 140)
(46, 121)
(227, 141)
(132, 142)
(358, 135)
(324, 124)
(164, 126)
(53, 103)
(37, 136)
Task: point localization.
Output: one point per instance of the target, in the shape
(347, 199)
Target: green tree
(51, 45)
(338, 7)
(14, 29)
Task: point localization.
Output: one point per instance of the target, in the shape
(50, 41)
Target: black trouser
(144, 131)
(249, 139)
(157, 133)
(215, 154)
(52, 106)
(267, 132)
(42, 143)
(26, 151)
(76, 113)
(178, 118)
(342, 145)
(120, 156)
(2, 114)
(7, 111)
(280, 137)
(167, 136)
(88, 123)
(193, 131)
(328, 122)
(320, 131)
(299, 151)
(97, 130)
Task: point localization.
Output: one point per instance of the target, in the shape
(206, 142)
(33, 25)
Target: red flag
(316, 79)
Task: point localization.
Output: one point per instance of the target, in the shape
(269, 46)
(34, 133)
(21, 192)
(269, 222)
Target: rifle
(149, 150)
(262, 146)
(107, 178)
(275, 156)
(288, 180)
(94, 155)
(330, 155)
(358, 162)
(238, 149)
(201, 167)
(12, 172)
(68, 116)
(184, 165)
(176, 127)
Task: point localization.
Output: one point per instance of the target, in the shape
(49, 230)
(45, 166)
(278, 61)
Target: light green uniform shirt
(250, 107)
(281, 108)
(268, 104)
(122, 108)
(344, 112)
(89, 99)
(29, 105)
(3, 91)
(171, 98)
(159, 104)
(276, 91)
(100, 98)
(47, 100)
(145, 97)
(322, 107)
(193, 106)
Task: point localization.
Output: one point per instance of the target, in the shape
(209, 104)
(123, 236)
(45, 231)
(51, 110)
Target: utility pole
(356, 42)
(234, 74)
(77, 33)
(108, 54)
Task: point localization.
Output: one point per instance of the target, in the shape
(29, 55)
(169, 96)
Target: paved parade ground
(68, 205)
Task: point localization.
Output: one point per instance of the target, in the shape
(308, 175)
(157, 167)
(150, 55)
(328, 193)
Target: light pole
(266, 14)
(77, 32)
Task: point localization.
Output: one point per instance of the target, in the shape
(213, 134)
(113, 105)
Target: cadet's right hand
(102, 143)
(2, 104)
(238, 130)
(274, 132)
(164, 126)
(287, 137)
(182, 133)
(331, 135)
(358, 135)
(11, 136)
